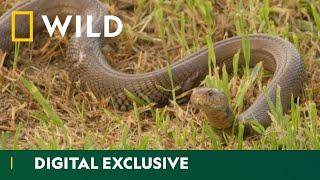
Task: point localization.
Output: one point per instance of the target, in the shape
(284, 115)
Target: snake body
(87, 64)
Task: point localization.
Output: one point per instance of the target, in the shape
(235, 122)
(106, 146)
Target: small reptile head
(209, 99)
(215, 105)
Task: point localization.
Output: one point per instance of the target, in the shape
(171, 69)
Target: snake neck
(220, 119)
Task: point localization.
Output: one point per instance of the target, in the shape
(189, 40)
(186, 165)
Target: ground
(157, 32)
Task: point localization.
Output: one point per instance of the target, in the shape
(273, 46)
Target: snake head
(209, 99)
(215, 105)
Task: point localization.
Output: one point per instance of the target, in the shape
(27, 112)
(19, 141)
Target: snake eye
(210, 93)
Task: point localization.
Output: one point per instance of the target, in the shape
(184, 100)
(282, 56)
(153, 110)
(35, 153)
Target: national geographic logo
(22, 13)
(63, 27)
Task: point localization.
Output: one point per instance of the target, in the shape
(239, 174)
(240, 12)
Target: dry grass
(142, 47)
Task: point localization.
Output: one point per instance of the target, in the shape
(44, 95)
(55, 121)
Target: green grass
(161, 32)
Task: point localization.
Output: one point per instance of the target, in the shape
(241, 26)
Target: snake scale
(87, 64)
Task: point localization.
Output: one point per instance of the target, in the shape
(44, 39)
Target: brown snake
(86, 62)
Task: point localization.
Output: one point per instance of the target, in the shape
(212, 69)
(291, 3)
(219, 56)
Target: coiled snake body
(86, 62)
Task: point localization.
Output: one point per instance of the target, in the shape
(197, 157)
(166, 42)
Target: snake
(86, 63)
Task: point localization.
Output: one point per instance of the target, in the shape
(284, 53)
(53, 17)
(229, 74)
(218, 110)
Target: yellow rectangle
(14, 39)
(11, 163)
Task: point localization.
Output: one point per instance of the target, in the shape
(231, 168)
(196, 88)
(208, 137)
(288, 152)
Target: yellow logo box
(24, 13)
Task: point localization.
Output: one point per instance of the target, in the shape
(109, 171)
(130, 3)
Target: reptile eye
(210, 93)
